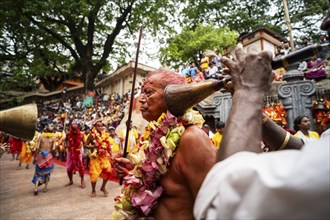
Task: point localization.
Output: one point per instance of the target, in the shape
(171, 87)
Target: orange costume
(27, 149)
(26, 154)
(100, 165)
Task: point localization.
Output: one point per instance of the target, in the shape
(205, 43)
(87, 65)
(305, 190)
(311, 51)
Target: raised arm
(251, 78)
(277, 138)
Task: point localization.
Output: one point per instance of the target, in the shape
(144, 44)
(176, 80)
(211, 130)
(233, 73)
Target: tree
(246, 15)
(40, 37)
(54, 39)
(185, 46)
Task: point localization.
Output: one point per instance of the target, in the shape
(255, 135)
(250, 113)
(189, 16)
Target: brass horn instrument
(179, 98)
(20, 121)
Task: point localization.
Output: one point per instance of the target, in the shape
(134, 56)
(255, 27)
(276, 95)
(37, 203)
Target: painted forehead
(98, 124)
(152, 82)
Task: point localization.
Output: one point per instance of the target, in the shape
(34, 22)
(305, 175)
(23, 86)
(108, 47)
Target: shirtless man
(194, 156)
(43, 158)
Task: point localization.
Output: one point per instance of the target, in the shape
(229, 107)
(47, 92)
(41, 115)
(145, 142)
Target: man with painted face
(163, 177)
(73, 143)
(99, 143)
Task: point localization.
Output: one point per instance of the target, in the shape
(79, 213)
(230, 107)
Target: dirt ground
(17, 200)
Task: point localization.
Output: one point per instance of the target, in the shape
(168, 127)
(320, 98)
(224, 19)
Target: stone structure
(296, 96)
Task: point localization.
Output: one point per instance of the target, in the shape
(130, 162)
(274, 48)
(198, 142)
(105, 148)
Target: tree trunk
(88, 79)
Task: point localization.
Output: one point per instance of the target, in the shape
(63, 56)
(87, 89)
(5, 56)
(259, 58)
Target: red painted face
(151, 99)
(99, 126)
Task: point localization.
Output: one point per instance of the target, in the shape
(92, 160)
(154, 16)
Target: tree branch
(55, 35)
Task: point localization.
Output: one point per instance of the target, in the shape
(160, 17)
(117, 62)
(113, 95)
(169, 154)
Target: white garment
(306, 139)
(289, 184)
(212, 70)
(217, 60)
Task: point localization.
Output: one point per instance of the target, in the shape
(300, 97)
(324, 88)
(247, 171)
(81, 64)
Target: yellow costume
(27, 149)
(26, 154)
(132, 138)
(100, 165)
(59, 140)
(216, 139)
(312, 136)
(114, 144)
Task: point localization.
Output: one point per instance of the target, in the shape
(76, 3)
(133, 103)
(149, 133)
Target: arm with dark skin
(251, 78)
(89, 144)
(274, 135)
(53, 147)
(37, 150)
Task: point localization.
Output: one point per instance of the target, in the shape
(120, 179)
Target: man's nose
(142, 98)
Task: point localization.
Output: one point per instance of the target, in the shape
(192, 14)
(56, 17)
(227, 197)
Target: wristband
(285, 142)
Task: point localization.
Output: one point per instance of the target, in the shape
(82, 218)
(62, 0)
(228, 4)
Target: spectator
(217, 60)
(302, 125)
(217, 137)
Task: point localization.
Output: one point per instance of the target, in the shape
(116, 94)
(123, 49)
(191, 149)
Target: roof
(123, 70)
(267, 30)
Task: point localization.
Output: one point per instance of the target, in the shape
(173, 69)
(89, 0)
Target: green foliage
(87, 37)
(185, 46)
(47, 38)
(247, 15)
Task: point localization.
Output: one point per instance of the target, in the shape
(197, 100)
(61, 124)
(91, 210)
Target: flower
(157, 146)
(102, 143)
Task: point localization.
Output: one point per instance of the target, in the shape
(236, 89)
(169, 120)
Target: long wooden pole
(128, 122)
(288, 23)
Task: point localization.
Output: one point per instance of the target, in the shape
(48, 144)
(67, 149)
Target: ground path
(17, 201)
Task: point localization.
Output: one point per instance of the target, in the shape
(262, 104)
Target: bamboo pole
(288, 23)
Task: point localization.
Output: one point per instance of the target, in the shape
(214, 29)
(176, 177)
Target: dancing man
(74, 143)
(100, 166)
(43, 158)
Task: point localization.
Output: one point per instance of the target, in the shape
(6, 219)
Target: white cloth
(306, 139)
(289, 184)
(212, 70)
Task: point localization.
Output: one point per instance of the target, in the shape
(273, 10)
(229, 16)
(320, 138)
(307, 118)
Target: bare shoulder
(193, 136)
(196, 143)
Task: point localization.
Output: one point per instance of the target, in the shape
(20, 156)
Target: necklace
(157, 146)
(48, 134)
(102, 143)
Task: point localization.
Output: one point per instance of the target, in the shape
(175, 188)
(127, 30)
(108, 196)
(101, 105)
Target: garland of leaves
(142, 188)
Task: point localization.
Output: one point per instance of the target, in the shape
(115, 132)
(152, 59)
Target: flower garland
(101, 142)
(157, 146)
(48, 134)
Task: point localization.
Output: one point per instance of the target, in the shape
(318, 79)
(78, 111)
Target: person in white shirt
(211, 71)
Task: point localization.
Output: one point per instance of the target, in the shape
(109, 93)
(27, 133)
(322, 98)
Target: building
(121, 80)
(262, 38)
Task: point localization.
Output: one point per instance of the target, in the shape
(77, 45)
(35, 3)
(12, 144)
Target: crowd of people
(210, 66)
(175, 171)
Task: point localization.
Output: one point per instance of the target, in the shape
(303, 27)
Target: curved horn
(20, 121)
(179, 98)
